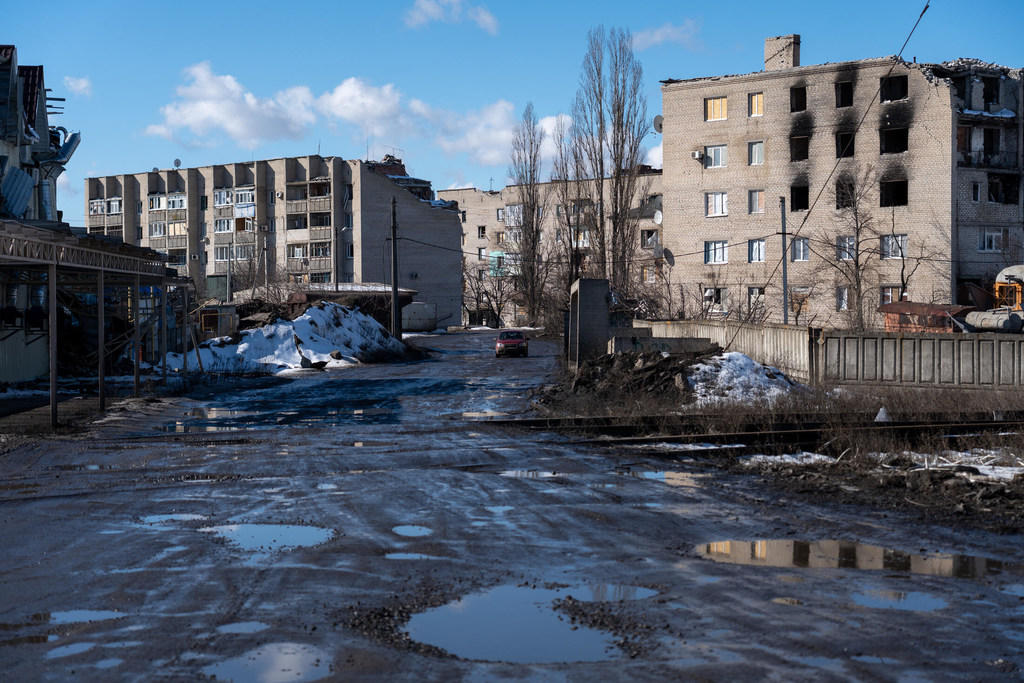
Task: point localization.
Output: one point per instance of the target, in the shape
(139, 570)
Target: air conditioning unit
(195, 257)
(696, 154)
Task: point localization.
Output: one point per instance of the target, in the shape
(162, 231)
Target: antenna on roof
(177, 163)
(491, 188)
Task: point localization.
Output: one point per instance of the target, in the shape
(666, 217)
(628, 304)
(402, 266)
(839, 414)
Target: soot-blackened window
(798, 98)
(844, 145)
(894, 88)
(799, 147)
(799, 198)
(894, 193)
(893, 140)
(844, 94)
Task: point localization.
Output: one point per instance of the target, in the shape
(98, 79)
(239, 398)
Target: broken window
(993, 239)
(963, 140)
(844, 194)
(755, 298)
(799, 198)
(716, 298)
(990, 90)
(844, 145)
(481, 232)
(960, 83)
(893, 193)
(893, 141)
(799, 298)
(991, 142)
(975, 192)
(1003, 188)
(799, 147)
(798, 98)
(844, 94)
(842, 298)
(893, 88)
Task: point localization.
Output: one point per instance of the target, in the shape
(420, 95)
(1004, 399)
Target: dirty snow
(283, 345)
(804, 458)
(734, 376)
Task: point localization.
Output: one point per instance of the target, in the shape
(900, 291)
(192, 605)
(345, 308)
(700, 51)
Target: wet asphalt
(368, 524)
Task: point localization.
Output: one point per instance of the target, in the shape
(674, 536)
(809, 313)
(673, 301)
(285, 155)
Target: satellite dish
(156, 170)
(658, 217)
(177, 163)
(669, 257)
(658, 120)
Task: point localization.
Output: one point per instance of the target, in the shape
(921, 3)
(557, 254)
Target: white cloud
(685, 34)
(79, 86)
(210, 103)
(376, 110)
(654, 156)
(485, 135)
(450, 11)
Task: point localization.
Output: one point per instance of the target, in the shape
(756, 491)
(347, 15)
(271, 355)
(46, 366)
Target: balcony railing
(319, 203)
(978, 158)
(320, 264)
(177, 242)
(297, 265)
(176, 214)
(296, 206)
(319, 233)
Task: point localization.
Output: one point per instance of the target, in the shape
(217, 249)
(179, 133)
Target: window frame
(716, 252)
(889, 245)
(993, 240)
(716, 204)
(716, 156)
(755, 104)
(756, 250)
(716, 108)
(846, 247)
(758, 158)
(800, 250)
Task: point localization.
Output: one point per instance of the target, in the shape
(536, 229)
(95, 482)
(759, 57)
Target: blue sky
(439, 83)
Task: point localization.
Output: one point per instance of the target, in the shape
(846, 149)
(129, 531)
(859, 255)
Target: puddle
(326, 487)
(162, 519)
(68, 650)
(913, 602)
(499, 509)
(412, 531)
(845, 555)
(411, 556)
(612, 592)
(108, 663)
(528, 474)
(368, 444)
(483, 414)
(243, 627)
(528, 630)
(293, 662)
(78, 616)
(268, 538)
(80, 468)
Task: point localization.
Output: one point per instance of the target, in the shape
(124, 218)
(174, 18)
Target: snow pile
(804, 458)
(733, 376)
(326, 335)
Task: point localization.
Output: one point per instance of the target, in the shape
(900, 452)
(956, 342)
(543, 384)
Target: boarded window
(715, 108)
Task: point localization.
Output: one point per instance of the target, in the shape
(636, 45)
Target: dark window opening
(799, 198)
(202, 202)
(799, 148)
(893, 141)
(991, 141)
(844, 94)
(844, 145)
(1003, 188)
(798, 99)
(961, 87)
(894, 88)
(990, 90)
(844, 194)
(894, 193)
(963, 139)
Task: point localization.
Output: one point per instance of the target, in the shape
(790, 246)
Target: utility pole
(785, 275)
(396, 315)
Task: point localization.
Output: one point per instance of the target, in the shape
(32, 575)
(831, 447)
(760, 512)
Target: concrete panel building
(900, 180)
(310, 221)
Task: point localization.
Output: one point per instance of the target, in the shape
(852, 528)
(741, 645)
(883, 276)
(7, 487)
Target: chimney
(781, 52)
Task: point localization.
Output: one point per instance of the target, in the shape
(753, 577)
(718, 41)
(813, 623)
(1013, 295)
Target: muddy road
(368, 524)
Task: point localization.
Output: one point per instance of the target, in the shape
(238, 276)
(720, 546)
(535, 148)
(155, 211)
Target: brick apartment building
(899, 179)
(311, 220)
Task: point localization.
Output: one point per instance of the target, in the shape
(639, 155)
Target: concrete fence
(992, 361)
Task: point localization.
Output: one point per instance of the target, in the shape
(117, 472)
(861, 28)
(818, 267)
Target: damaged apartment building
(309, 222)
(898, 179)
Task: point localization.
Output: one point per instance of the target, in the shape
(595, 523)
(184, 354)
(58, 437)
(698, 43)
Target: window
(755, 153)
(716, 251)
(715, 108)
(992, 239)
(799, 148)
(138, 207)
(755, 104)
(845, 193)
(203, 202)
(97, 207)
(893, 88)
(893, 193)
(581, 238)
(272, 224)
(844, 145)
(800, 249)
(990, 89)
(481, 232)
(798, 98)
(298, 250)
(716, 204)
(481, 254)
(846, 247)
(514, 235)
(755, 201)
(891, 293)
(844, 94)
(245, 252)
(501, 214)
(177, 228)
(755, 251)
(991, 141)
(320, 278)
(156, 203)
(893, 246)
(716, 298)
(222, 197)
(350, 251)
(799, 298)
(176, 201)
(500, 238)
(202, 230)
(114, 205)
(221, 253)
(755, 299)
(348, 222)
(514, 214)
(650, 274)
(893, 141)
(246, 196)
(463, 216)
(222, 225)
(799, 198)
(975, 192)
(271, 198)
(963, 139)
(1003, 188)
(715, 156)
(842, 298)
(158, 229)
(648, 239)
(320, 249)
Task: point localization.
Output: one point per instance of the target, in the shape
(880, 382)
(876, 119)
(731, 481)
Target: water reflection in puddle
(913, 602)
(528, 474)
(846, 555)
(243, 627)
(79, 616)
(412, 531)
(156, 520)
(270, 537)
(411, 556)
(68, 650)
(274, 662)
(510, 624)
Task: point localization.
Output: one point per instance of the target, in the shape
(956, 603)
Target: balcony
(158, 243)
(296, 206)
(297, 265)
(177, 242)
(97, 220)
(176, 214)
(979, 159)
(320, 264)
(320, 233)
(319, 203)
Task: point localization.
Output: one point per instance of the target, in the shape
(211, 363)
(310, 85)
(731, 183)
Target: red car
(511, 343)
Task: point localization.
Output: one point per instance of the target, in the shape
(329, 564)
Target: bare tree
(523, 219)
